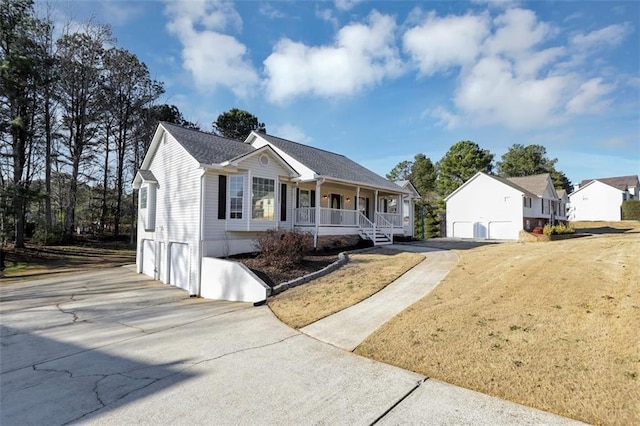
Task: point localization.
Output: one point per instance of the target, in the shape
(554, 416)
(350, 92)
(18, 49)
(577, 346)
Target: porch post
(317, 212)
(358, 199)
(249, 208)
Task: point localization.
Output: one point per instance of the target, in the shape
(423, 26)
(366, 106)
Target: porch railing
(339, 217)
(305, 216)
(384, 226)
(392, 218)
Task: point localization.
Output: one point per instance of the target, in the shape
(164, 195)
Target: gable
(265, 160)
(312, 163)
(481, 182)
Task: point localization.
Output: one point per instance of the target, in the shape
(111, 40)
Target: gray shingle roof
(620, 182)
(147, 175)
(330, 164)
(207, 148)
(508, 182)
(535, 184)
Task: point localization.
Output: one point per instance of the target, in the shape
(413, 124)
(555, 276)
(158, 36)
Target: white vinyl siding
(178, 176)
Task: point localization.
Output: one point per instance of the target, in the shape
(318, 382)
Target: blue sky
(380, 81)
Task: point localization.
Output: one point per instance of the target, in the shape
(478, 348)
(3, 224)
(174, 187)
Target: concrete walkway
(350, 327)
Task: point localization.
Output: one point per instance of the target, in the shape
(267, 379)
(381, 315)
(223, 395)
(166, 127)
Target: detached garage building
(496, 208)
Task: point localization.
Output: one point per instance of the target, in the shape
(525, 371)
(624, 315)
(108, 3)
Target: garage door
(179, 269)
(501, 231)
(463, 229)
(149, 258)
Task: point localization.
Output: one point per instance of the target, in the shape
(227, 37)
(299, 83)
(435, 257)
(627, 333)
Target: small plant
(283, 249)
(537, 230)
(559, 229)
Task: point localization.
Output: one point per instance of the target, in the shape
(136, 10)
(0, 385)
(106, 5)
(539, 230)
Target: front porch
(343, 222)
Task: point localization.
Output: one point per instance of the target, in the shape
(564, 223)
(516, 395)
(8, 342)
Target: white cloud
(290, 132)
(119, 13)
(611, 35)
(589, 98)
(438, 44)
(517, 32)
(345, 5)
(363, 54)
(510, 73)
(214, 59)
(492, 93)
(266, 9)
(444, 117)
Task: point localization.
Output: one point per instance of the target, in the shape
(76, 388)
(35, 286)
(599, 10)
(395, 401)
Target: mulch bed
(273, 276)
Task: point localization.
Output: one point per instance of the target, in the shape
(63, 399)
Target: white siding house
(202, 196)
(408, 206)
(596, 201)
(491, 207)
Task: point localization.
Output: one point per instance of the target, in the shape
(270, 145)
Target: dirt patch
(364, 275)
(38, 260)
(552, 326)
(273, 276)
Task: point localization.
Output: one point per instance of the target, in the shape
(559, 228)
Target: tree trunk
(105, 182)
(47, 163)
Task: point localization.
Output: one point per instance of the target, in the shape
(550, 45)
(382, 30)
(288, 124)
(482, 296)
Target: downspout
(317, 212)
(201, 232)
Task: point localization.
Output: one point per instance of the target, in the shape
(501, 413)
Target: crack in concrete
(75, 317)
(142, 330)
(244, 350)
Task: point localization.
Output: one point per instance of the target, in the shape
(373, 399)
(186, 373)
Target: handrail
(383, 224)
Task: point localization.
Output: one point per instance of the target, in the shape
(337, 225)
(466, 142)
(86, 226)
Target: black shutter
(222, 197)
(313, 198)
(366, 207)
(283, 202)
(297, 198)
(385, 207)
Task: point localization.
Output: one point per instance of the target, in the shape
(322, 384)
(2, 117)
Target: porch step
(379, 239)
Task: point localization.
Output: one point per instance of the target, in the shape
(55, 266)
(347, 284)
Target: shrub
(559, 229)
(631, 210)
(283, 249)
(537, 230)
(48, 237)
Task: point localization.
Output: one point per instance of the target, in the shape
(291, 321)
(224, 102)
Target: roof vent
(264, 160)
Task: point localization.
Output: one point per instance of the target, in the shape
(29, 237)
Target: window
(263, 200)
(143, 197)
(236, 184)
(526, 202)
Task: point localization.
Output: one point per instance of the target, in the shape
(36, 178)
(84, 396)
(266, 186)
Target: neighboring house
(493, 207)
(408, 206)
(597, 200)
(623, 183)
(204, 196)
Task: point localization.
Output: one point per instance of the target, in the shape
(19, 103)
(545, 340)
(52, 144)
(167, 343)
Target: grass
(550, 325)
(364, 275)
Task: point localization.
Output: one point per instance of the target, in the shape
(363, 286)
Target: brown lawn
(552, 325)
(364, 275)
(38, 260)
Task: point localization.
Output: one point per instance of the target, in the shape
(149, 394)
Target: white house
(202, 196)
(493, 207)
(623, 183)
(597, 200)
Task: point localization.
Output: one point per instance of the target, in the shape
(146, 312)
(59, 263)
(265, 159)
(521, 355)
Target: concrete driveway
(114, 347)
